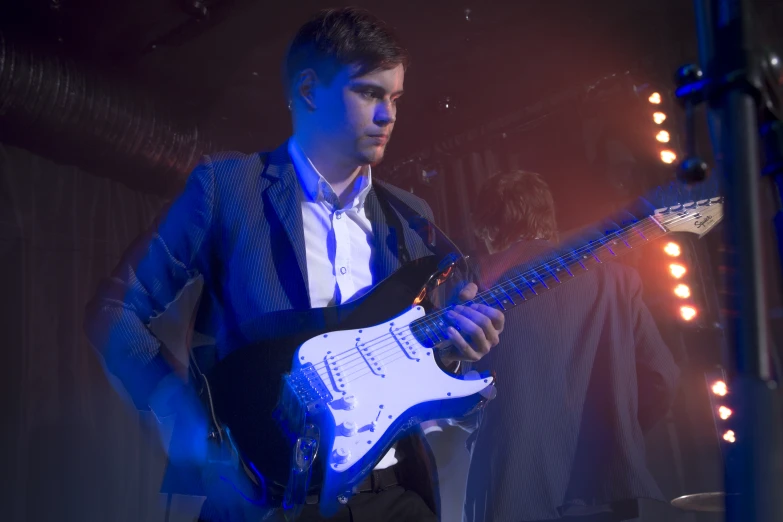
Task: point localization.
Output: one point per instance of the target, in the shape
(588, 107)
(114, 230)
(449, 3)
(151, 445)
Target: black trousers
(395, 504)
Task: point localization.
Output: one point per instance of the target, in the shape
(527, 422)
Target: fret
(636, 229)
(492, 295)
(552, 273)
(482, 298)
(421, 334)
(428, 324)
(430, 332)
(414, 327)
(507, 294)
(565, 266)
(530, 285)
(604, 242)
(516, 288)
(622, 239)
(540, 279)
(498, 295)
(656, 229)
(620, 234)
(635, 241)
(441, 324)
(578, 259)
(592, 253)
(493, 301)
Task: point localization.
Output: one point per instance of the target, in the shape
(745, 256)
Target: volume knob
(341, 455)
(349, 428)
(350, 402)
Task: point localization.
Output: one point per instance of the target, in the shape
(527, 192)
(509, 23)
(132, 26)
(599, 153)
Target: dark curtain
(73, 449)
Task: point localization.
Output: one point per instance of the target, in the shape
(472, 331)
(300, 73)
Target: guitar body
(363, 377)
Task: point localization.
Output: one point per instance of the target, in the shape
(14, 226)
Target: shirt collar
(315, 186)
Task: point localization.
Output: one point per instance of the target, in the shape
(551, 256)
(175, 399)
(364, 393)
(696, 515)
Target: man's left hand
(479, 329)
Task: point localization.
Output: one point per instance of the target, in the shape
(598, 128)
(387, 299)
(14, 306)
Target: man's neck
(341, 175)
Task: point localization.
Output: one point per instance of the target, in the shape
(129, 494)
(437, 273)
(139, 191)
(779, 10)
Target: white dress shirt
(338, 241)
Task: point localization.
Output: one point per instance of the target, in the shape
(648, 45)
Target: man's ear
(305, 87)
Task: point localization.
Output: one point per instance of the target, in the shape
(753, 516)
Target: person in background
(582, 375)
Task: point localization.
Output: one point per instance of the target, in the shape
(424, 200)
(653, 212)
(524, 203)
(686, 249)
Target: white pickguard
(384, 375)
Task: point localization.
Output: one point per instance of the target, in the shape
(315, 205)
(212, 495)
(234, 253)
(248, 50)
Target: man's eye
(368, 94)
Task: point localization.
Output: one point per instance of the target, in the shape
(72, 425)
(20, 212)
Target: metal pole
(752, 472)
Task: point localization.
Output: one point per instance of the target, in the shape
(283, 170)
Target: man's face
(356, 115)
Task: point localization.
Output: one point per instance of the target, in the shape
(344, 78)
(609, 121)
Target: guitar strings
(394, 347)
(372, 350)
(358, 358)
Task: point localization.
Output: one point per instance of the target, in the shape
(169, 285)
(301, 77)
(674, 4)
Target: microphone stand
(734, 79)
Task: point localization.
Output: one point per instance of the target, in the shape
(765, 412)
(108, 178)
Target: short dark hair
(334, 38)
(515, 205)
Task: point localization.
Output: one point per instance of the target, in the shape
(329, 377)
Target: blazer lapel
(284, 196)
(384, 238)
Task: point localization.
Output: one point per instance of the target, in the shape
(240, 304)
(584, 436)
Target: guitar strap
(431, 235)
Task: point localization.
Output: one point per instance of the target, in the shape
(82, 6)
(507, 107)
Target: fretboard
(430, 330)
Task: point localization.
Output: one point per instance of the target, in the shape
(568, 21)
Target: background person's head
(513, 206)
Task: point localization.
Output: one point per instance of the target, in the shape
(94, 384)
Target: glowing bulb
(682, 291)
(668, 156)
(659, 117)
(677, 270)
(720, 388)
(729, 436)
(655, 98)
(663, 137)
(687, 312)
(724, 412)
(673, 249)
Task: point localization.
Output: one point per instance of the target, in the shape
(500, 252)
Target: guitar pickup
(404, 338)
(373, 356)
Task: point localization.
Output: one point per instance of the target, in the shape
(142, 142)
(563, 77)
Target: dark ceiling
(217, 61)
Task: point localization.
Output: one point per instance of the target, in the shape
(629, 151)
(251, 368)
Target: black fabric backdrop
(73, 449)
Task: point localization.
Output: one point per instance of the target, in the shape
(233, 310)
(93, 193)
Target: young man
(299, 227)
(585, 375)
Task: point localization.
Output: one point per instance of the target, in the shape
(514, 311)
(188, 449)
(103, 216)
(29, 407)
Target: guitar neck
(431, 329)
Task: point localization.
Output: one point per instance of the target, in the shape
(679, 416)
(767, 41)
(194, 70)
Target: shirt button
(339, 215)
(343, 270)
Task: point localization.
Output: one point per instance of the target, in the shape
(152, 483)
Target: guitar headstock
(696, 217)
